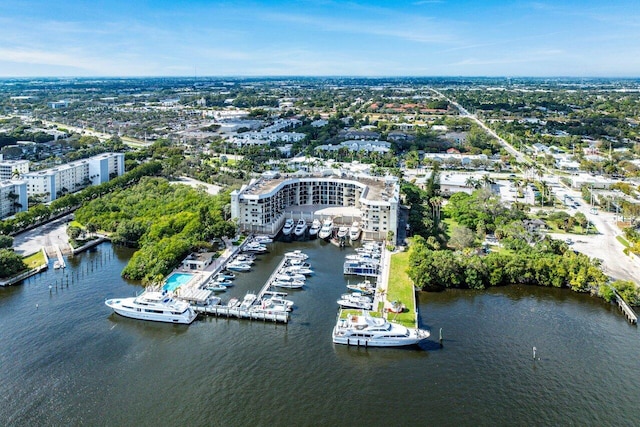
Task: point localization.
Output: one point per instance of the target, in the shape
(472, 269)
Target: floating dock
(59, 263)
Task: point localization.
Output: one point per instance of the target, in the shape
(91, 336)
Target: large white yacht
(367, 331)
(316, 225)
(326, 230)
(153, 305)
(354, 231)
(288, 227)
(301, 228)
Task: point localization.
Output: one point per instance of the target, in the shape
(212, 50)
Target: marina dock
(626, 309)
(59, 263)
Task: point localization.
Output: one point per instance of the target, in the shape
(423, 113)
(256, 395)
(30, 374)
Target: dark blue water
(70, 361)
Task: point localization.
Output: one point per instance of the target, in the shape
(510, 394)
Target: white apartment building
(10, 167)
(13, 197)
(74, 176)
(262, 205)
(263, 138)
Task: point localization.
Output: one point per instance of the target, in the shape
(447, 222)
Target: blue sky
(319, 37)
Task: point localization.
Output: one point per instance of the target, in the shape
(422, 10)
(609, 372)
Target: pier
(626, 309)
(59, 263)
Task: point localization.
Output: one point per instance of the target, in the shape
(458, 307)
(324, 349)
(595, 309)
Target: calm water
(70, 361)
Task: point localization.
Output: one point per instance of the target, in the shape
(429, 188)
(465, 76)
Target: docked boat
(326, 230)
(296, 269)
(364, 287)
(233, 303)
(276, 303)
(262, 239)
(155, 306)
(238, 266)
(361, 267)
(288, 227)
(297, 254)
(316, 225)
(354, 231)
(297, 262)
(246, 258)
(290, 276)
(357, 300)
(254, 247)
(342, 232)
(301, 228)
(365, 330)
(224, 275)
(248, 301)
(216, 287)
(288, 284)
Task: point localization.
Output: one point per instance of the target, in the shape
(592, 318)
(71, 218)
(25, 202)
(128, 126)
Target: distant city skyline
(320, 38)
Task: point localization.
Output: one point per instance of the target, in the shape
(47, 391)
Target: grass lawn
(401, 289)
(35, 260)
(451, 224)
(623, 241)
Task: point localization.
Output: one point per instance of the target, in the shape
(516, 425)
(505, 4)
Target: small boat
(263, 239)
(246, 258)
(364, 287)
(289, 284)
(290, 276)
(354, 231)
(216, 287)
(315, 228)
(297, 254)
(301, 228)
(342, 232)
(368, 331)
(326, 230)
(254, 247)
(355, 301)
(206, 303)
(297, 263)
(225, 275)
(238, 266)
(288, 227)
(276, 303)
(153, 305)
(233, 303)
(248, 301)
(295, 269)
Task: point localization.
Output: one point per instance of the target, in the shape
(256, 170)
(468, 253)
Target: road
(464, 113)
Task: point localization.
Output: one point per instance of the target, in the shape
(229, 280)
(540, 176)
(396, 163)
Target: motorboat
(216, 287)
(238, 266)
(276, 303)
(206, 303)
(354, 231)
(233, 303)
(297, 254)
(364, 287)
(315, 228)
(155, 306)
(295, 269)
(225, 275)
(327, 229)
(296, 262)
(289, 284)
(290, 276)
(301, 228)
(368, 331)
(288, 227)
(254, 247)
(356, 300)
(246, 258)
(342, 232)
(262, 239)
(361, 267)
(248, 301)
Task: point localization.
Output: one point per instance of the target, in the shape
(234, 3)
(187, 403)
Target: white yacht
(354, 231)
(288, 227)
(315, 228)
(364, 287)
(238, 266)
(263, 239)
(297, 269)
(365, 330)
(360, 301)
(297, 254)
(287, 283)
(326, 230)
(153, 305)
(282, 275)
(342, 232)
(301, 227)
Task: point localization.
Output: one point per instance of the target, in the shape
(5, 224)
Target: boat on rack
(354, 231)
(326, 230)
(342, 232)
(368, 331)
(301, 228)
(288, 227)
(155, 306)
(316, 225)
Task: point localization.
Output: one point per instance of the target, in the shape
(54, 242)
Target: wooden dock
(626, 309)
(59, 263)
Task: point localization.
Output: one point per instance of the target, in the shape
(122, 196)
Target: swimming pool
(176, 280)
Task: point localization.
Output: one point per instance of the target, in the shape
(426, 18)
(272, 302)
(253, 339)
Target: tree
(5, 241)
(10, 263)
(461, 238)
